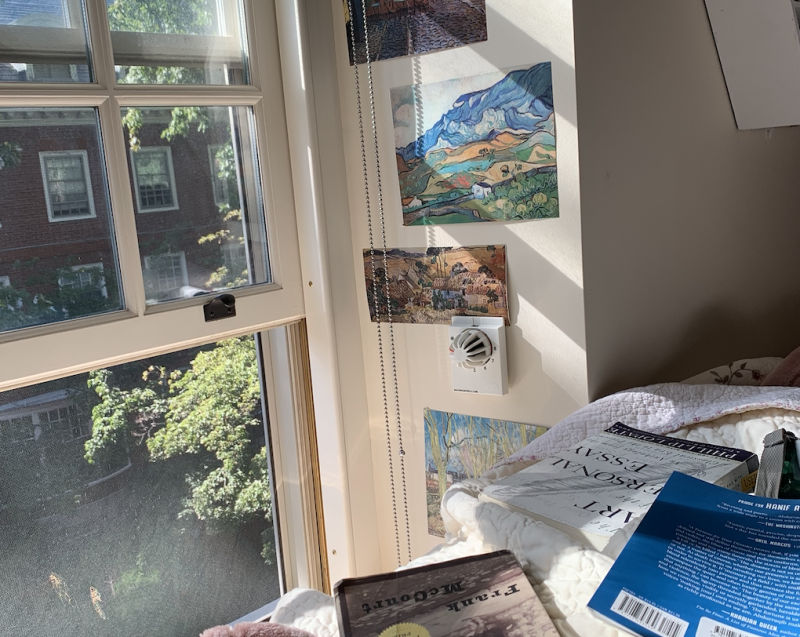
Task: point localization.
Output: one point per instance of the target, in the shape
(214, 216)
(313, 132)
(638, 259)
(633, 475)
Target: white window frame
(87, 266)
(148, 260)
(220, 198)
(144, 150)
(87, 180)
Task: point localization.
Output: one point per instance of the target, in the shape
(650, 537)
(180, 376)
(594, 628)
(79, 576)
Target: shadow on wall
(707, 339)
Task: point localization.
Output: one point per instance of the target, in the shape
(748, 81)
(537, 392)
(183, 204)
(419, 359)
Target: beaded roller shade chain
(375, 253)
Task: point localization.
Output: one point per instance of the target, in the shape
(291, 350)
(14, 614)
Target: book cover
(485, 595)
(708, 562)
(597, 486)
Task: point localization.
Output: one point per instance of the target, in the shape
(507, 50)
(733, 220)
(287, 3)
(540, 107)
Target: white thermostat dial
(478, 354)
(471, 348)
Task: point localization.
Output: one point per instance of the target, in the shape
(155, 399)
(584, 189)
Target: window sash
(46, 45)
(142, 329)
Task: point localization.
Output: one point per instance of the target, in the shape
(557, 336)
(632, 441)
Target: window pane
(43, 41)
(57, 250)
(137, 496)
(178, 41)
(200, 218)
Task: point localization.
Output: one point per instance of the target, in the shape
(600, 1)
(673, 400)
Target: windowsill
(261, 615)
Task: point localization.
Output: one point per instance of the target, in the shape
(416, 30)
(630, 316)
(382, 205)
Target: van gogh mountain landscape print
(480, 148)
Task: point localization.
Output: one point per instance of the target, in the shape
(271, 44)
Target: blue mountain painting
(490, 157)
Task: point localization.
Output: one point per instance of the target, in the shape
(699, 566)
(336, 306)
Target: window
(219, 183)
(17, 429)
(106, 350)
(65, 422)
(52, 73)
(154, 179)
(67, 186)
(234, 257)
(85, 277)
(165, 275)
(5, 282)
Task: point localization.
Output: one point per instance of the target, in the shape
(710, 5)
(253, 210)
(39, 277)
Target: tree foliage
(213, 412)
(160, 16)
(209, 412)
(73, 291)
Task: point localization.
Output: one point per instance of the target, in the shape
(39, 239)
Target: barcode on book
(711, 628)
(722, 631)
(648, 616)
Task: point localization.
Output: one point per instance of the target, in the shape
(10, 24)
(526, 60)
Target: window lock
(220, 307)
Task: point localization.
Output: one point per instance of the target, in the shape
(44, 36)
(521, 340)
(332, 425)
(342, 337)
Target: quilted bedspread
(565, 574)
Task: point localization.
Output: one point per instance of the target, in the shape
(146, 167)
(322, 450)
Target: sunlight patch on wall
(563, 360)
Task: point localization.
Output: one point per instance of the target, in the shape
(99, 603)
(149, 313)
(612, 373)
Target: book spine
(728, 453)
(733, 479)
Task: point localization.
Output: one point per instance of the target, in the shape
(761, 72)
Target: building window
(222, 194)
(234, 258)
(52, 73)
(16, 429)
(67, 187)
(65, 422)
(154, 179)
(5, 282)
(165, 274)
(86, 277)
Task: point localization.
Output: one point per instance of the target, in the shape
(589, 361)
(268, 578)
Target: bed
(725, 406)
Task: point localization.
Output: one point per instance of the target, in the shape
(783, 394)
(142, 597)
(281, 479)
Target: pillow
(255, 629)
(787, 373)
(747, 371)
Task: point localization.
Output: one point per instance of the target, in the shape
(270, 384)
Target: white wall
(690, 226)
(547, 364)
(677, 241)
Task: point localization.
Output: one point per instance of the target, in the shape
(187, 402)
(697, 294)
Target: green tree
(210, 413)
(213, 412)
(72, 291)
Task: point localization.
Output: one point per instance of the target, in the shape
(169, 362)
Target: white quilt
(566, 574)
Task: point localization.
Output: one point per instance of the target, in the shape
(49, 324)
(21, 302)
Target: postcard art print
(458, 447)
(405, 27)
(480, 148)
(431, 285)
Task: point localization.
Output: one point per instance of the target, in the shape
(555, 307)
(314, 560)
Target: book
(485, 595)
(594, 488)
(707, 562)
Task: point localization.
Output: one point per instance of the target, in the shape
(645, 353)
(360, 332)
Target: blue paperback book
(708, 562)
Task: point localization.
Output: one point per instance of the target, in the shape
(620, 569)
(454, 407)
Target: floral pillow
(747, 371)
